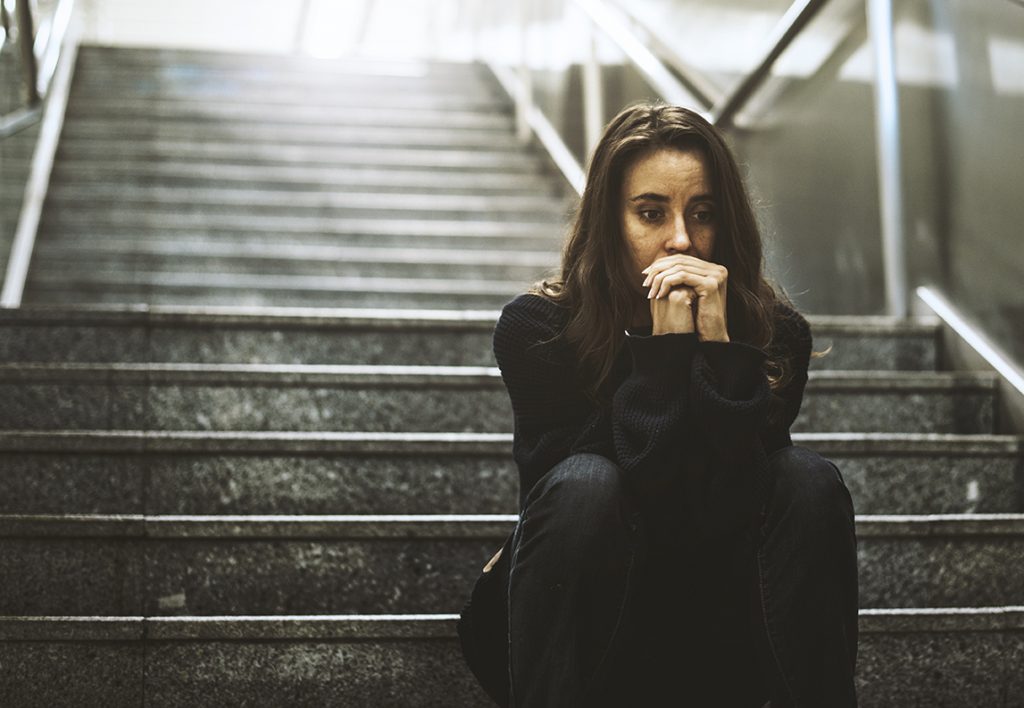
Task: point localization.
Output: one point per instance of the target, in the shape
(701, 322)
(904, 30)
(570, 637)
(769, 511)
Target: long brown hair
(596, 282)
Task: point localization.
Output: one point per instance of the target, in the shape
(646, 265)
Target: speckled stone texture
(245, 346)
(416, 345)
(257, 576)
(896, 412)
(44, 406)
(944, 670)
(277, 575)
(64, 343)
(53, 406)
(72, 674)
(357, 484)
(318, 577)
(385, 674)
(391, 409)
(49, 483)
(266, 406)
(43, 483)
(100, 293)
(68, 576)
(924, 484)
(940, 571)
(874, 352)
(421, 348)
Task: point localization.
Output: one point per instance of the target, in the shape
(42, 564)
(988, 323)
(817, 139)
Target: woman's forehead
(667, 171)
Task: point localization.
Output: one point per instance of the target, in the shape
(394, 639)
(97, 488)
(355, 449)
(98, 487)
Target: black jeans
(603, 613)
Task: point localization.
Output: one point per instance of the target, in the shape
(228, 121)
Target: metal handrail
(57, 86)
(39, 63)
(26, 40)
(650, 66)
(798, 16)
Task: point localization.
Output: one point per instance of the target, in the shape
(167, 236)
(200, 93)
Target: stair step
(524, 208)
(934, 657)
(185, 82)
(427, 398)
(298, 179)
(180, 472)
(331, 336)
(267, 156)
(201, 59)
(284, 96)
(300, 259)
(134, 564)
(159, 112)
(407, 76)
(100, 130)
(260, 290)
(198, 228)
(384, 96)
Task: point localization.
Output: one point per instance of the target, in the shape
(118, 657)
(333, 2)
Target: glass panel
(807, 142)
(961, 70)
(722, 41)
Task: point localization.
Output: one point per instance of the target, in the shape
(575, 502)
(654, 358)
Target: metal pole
(26, 38)
(593, 93)
(887, 139)
(524, 99)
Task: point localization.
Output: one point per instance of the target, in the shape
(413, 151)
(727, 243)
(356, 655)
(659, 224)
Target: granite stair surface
(205, 504)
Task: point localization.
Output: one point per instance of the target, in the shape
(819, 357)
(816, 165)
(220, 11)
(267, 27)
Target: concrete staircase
(276, 506)
(185, 178)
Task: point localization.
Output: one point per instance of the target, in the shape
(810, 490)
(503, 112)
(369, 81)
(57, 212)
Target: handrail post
(524, 99)
(593, 93)
(887, 139)
(5, 18)
(26, 37)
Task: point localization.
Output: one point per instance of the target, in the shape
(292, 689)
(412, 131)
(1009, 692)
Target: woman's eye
(704, 216)
(650, 215)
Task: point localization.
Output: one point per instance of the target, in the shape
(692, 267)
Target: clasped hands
(688, 294)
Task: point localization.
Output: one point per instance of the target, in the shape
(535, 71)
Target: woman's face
(667, 207)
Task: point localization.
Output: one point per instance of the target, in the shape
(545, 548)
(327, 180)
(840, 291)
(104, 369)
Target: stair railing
(39, 58)
(48, 58)
(691, 90)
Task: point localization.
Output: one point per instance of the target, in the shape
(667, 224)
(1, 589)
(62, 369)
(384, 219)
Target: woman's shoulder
(532, 312)
(792, 330)
(528, 320)
(789, 320)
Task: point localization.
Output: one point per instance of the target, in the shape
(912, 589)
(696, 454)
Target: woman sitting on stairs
(674, 548)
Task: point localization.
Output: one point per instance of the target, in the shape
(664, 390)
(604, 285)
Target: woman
(673, 546)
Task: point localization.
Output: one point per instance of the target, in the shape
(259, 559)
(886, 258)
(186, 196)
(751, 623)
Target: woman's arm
(742, 420)
(552, 416)
(641, 429)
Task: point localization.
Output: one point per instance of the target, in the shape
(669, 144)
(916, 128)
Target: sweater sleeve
(552, 418)
(742, 421)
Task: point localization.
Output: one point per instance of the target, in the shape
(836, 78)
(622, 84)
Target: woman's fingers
(675, 259)
(664, 281)
(702, 276)
(657, 280)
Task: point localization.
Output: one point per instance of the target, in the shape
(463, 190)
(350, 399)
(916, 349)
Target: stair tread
(294, 442)
(424, 626)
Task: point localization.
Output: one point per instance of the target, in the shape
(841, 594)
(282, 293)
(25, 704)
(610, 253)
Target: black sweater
(690, 423)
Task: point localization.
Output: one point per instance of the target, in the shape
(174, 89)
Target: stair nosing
(479, 527)
(419, 626)
(452, 443)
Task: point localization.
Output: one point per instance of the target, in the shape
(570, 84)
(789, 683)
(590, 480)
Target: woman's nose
(678, 241)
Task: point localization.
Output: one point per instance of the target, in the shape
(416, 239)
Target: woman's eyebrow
(650, 197)
(653, 197)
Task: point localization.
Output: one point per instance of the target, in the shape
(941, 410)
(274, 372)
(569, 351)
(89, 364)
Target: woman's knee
(809, 488)
(582, 499)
